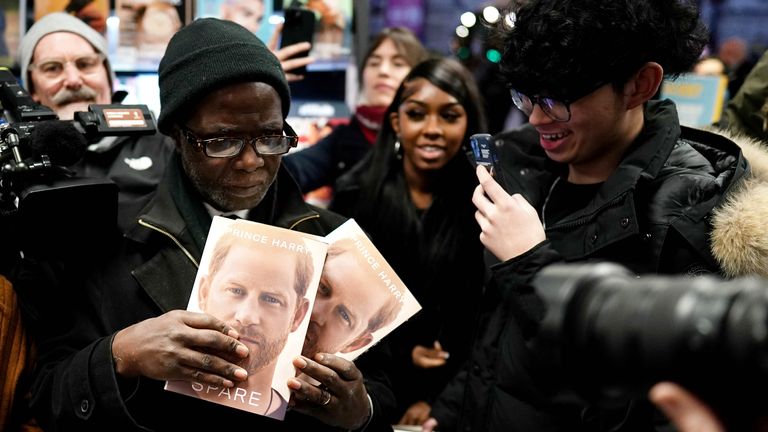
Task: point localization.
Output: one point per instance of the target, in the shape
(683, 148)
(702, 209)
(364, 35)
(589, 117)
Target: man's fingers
(427, 362)
(205, 378)
(687, 413)
(429, 425)
(481, 201)
(344, 368)
(307, 397)
(491, 188)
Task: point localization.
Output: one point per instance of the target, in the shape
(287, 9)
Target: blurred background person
(734, 52)
(247, 13)
(391, 55)
(747, 110)
(412, 193)
(64, 66)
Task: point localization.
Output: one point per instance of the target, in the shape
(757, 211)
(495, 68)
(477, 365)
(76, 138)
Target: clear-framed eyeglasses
(54, 67)
(229, 147)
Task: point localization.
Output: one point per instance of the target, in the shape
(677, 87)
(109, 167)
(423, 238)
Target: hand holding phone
(299, 26)
(483, 152)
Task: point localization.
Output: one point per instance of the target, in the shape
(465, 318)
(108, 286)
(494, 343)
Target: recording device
(41, 199)
(35, 146)
(299, 26)
(614, 335)
(482, 152)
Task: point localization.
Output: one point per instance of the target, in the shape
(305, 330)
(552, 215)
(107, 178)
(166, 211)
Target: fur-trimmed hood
(740, 225)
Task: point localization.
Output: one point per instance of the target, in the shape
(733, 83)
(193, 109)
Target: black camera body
(43, 204)
(613, 334)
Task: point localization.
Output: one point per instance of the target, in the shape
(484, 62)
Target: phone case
(299, 26)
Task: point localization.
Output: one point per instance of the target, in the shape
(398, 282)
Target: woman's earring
(398, 149)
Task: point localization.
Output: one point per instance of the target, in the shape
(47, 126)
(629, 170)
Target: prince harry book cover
(360, 298)
(288, 294)
(262, 281)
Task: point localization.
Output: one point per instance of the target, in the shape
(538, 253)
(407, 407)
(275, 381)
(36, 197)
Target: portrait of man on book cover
(360, 299)
(261, 281)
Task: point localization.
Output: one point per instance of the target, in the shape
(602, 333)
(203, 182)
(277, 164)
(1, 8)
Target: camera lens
(613, 334)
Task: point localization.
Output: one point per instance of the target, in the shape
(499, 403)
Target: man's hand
(180, 345)
(416, 414)
(426, 358)
(686, 412)
(509, 225)
(339, 400)
(284, 54)
(429, 425)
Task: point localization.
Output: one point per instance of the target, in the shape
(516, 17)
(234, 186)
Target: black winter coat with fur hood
(655, 214)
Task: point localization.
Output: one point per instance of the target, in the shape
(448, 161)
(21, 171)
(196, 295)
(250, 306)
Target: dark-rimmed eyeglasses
(229, 147)
(555, 109)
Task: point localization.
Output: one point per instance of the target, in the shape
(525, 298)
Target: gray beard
(216, 195)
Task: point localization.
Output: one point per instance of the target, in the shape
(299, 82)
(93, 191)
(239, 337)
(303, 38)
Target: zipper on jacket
(170, 236)
(585, 220)
(314, 216)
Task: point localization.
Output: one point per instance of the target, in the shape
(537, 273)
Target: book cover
(146, 27)
(288, 294)
(360, 298)
(255, 15)
(260, 280)
(92, 12)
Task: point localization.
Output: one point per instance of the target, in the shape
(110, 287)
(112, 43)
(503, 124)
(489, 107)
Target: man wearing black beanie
(224, 101)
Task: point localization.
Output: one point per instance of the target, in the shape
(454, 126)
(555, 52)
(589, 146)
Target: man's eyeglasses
(54, 67)
(229, 147)
(555, 109)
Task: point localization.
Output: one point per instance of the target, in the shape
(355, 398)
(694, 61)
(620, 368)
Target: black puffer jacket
(651, 215)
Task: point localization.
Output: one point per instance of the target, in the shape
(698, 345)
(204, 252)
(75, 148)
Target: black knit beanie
(209, 54)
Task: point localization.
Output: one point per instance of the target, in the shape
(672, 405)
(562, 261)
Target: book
(145, 28)
(288, 294)
(261, 280)
(360, 298)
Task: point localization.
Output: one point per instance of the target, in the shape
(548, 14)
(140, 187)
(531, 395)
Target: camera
(613, 334)
(42, 201)
(35, 146)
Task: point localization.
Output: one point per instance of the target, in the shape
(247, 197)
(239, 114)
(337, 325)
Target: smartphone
(483, 152)
(299, 26)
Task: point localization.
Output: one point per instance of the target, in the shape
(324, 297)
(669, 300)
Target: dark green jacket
(747, 111)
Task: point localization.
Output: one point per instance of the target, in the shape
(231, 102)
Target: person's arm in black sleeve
(375, 364)
(313, 166)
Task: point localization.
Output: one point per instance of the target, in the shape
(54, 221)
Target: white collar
(242, 214)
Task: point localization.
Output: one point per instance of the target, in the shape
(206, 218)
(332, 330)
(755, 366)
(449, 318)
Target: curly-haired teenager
(602, 172)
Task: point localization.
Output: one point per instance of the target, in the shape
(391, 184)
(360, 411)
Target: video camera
(35, 145)
(40, 198)
(613, 334)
